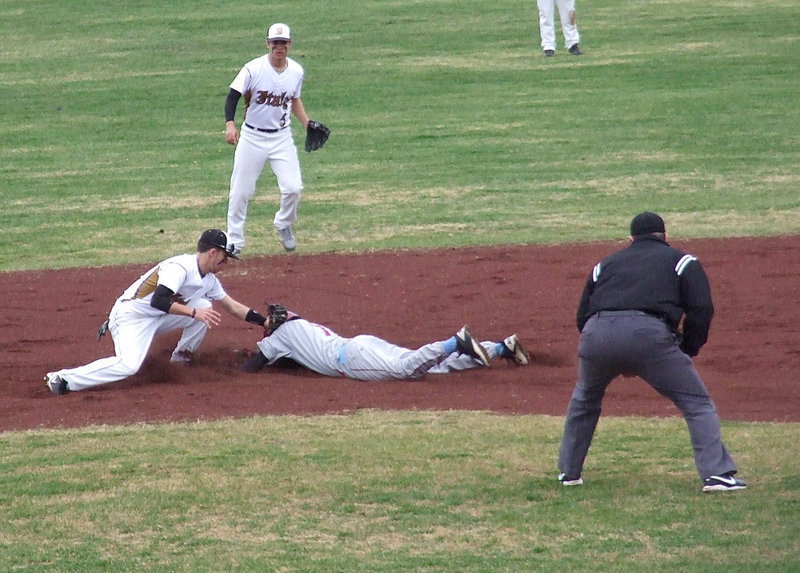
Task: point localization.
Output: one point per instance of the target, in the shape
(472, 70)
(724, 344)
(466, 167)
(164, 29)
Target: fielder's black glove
(277, 314)
(316, 135)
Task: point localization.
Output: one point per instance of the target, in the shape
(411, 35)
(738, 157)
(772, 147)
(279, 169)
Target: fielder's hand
(208, 315)
(231, 133)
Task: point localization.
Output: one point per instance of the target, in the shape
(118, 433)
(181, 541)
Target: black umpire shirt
(652, 277)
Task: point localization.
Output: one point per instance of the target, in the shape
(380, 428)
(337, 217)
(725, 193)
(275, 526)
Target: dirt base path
(49, 320)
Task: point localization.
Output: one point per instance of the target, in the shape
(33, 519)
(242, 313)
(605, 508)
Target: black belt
(610, 313)
(264, 130)
(625, 313)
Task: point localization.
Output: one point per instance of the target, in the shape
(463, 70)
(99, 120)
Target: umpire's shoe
(56, 383)
(466, 344)
(724, 482)
(564, 479)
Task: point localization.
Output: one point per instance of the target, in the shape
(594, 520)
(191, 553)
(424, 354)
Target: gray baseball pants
(632, 342)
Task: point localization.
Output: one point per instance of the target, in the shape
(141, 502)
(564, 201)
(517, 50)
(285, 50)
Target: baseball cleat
(182, 357)
(567, 480)
(56, 383)
(724, 482)
(549, 53)
(514, 350)
(466, 344)
(287, 239)
(575, 50)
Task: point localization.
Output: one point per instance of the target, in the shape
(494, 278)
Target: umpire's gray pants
(631, 342)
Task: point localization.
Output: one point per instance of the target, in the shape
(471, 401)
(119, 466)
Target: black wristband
(255, 317)
(194, 311)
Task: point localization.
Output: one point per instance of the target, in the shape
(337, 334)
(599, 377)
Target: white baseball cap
(279, 32)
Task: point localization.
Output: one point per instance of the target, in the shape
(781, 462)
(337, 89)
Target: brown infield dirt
(50, 318)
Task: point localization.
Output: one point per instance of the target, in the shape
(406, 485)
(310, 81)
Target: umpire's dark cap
(646, 223)
(218, 239)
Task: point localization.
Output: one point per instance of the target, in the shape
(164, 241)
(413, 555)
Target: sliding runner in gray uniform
(367, 357)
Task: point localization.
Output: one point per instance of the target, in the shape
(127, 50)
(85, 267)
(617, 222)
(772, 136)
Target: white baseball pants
(566, 13)
(133, 334)
(253, 150)
(368, 357)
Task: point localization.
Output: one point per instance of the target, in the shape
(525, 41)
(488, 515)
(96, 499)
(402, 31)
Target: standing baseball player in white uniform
(547, 29)
(367, 357)
(175, 294)
(271, 86)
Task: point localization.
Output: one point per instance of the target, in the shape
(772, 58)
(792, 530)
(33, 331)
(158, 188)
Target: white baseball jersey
(362, 357)
(269, 93)
(133, 323)
(181, 275)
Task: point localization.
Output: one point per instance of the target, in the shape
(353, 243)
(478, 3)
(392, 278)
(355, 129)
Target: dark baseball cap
(646, 223)
(217, 238)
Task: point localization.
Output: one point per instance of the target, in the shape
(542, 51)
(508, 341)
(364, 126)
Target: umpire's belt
(609, 313)
(264, 130)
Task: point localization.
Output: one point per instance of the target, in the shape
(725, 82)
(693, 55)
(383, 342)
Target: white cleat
(287, 239)
(56, 383)
(515, 351)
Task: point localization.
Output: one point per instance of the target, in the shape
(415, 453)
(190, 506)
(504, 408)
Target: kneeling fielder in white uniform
(175, 294)
(367, 357)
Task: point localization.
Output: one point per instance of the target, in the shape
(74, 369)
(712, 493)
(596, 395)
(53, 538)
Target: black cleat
(725, 482)
(575, 50)
(466, 344)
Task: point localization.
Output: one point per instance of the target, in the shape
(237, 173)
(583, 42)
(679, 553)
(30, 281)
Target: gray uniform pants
(631, 342)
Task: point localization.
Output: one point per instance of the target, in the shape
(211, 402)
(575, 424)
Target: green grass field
(377, 491)
(449, 129)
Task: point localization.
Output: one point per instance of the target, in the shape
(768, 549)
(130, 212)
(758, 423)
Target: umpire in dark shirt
(629, 317)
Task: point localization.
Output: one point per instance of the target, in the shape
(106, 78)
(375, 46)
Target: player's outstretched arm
(242, 311)
(234, 307)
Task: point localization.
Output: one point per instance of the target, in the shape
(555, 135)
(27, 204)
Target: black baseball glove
(277, 314)
(316, 135)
